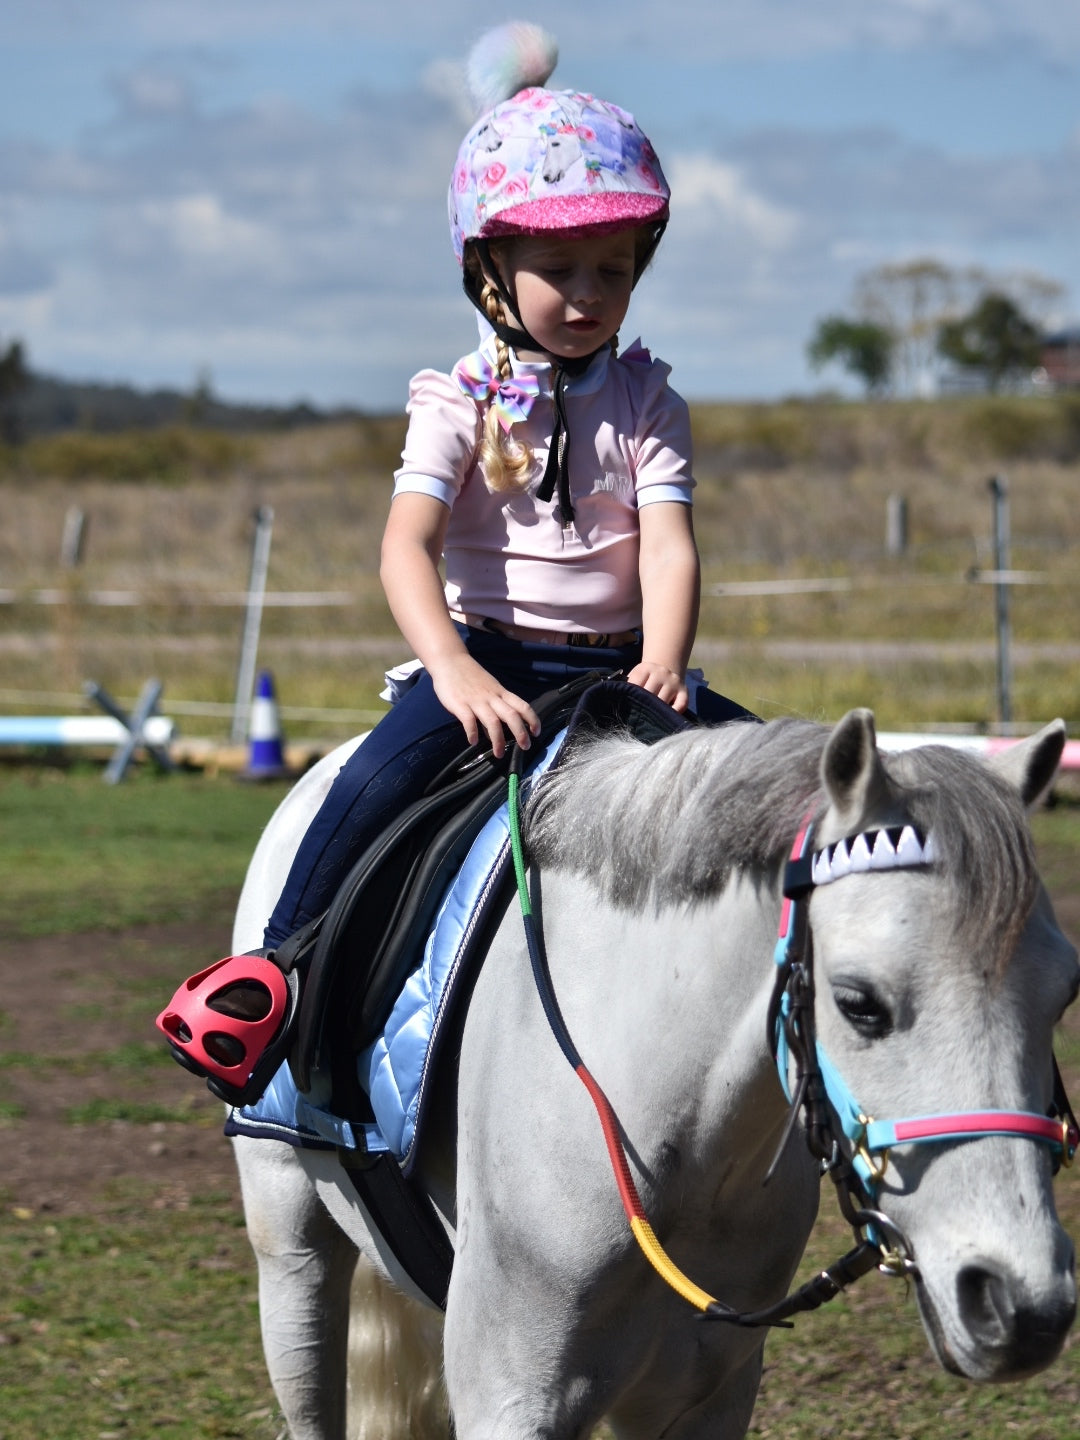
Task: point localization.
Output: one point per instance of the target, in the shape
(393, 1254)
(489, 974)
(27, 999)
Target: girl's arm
(670, 574)
(411, 549)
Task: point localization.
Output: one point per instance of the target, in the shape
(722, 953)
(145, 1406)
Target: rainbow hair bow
(512, 399)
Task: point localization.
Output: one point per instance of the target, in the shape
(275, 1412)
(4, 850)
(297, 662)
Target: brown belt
(533, 636)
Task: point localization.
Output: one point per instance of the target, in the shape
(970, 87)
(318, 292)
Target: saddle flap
(369, 936)
(365, 907)
(373, 934)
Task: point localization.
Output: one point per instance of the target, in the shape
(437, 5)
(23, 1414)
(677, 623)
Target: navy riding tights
(400, 758)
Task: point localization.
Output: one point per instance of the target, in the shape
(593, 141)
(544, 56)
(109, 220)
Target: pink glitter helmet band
(574, 216)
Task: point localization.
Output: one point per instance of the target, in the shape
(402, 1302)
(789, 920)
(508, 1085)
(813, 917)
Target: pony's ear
(851, 768)
(1031, 764)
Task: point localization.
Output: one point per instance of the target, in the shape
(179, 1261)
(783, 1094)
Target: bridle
(792, 1031)
(819, 1092)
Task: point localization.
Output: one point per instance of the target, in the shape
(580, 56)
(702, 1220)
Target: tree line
(32, 404)
(910, 317)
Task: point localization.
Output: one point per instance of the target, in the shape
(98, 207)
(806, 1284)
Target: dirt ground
(69, 1000)
(73, 1002)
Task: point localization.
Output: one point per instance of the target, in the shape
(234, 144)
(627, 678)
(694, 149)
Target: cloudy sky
(256, 188)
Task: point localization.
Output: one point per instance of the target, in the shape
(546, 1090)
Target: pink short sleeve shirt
(507, 555)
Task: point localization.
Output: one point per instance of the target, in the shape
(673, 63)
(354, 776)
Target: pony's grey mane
(669, 823)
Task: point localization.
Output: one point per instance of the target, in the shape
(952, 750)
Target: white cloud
(200, 230)
(153, 92)
(445, 80)
(294, 239)
(705, 190)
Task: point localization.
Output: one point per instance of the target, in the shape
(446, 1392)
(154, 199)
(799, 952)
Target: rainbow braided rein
(818, 1089)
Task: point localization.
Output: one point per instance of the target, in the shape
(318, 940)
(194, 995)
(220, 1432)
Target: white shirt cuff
(426, 485)
(652, 494)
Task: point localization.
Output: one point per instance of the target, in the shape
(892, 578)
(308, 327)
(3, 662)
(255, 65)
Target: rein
(819, 1090)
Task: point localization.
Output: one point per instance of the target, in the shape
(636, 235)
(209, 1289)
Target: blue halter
(898, 848)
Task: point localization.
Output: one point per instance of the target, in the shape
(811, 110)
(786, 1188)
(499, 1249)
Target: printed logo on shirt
(612, 483)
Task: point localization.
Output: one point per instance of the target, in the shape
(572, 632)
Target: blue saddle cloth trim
(396, 1069)
(283, 1113)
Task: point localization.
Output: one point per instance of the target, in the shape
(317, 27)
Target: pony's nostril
(986, 1305)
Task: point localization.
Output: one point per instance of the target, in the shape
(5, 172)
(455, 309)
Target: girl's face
(572, 295)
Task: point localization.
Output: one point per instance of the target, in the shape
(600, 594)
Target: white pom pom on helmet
(542, 162)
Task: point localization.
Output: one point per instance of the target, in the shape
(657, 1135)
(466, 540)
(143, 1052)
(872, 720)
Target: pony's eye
(863, 1010)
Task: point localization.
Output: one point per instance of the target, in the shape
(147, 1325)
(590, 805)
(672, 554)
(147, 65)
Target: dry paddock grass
(785, 491)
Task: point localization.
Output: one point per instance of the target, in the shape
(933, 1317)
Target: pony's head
(937, 988)
(936, 982)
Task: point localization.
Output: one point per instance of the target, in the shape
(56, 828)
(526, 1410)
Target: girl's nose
(587, 288)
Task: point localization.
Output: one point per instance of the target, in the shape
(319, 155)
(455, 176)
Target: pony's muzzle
(1016, 1334)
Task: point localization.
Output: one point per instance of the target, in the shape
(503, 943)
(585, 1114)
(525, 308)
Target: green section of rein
(513, 803)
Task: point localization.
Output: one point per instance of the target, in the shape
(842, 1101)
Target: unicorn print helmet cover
(546, 162)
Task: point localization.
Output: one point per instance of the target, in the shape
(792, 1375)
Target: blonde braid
(506, 463)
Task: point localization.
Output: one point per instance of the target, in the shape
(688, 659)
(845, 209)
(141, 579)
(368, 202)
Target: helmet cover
(545, 162)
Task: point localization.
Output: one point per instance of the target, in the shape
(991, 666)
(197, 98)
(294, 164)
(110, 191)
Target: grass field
(127, 1292)
(133, 1313)
(785, 493)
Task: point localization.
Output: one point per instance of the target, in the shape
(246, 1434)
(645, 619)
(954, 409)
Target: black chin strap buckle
(557, 470)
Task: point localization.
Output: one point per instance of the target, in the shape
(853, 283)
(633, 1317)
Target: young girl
(551, 476)
(548, 473)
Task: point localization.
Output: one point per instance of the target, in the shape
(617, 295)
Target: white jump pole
(249, 645)
(78, 730)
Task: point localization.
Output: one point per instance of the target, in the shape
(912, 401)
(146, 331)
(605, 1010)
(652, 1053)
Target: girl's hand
(478, 700)
(668, 567)
(668, 684)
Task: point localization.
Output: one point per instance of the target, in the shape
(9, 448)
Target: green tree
(14, 377)
(198, 404)
(863, 347)
(995, 336)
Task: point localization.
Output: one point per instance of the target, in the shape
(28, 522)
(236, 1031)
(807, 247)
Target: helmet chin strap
(516, 336)
(557, 470)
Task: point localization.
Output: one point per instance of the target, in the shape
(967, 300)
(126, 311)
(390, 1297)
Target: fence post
(73, 540)
(249, 644)
(999, 489)
(896, 525)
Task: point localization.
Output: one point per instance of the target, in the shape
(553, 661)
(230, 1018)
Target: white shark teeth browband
(896, 848)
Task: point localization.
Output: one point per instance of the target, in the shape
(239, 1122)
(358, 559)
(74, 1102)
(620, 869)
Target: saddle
(358, 955)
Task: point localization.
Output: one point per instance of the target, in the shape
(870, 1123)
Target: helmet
(544, 161)
(232, 1023)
